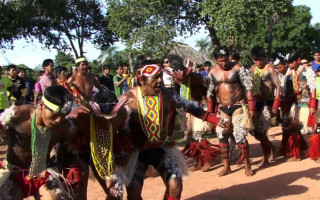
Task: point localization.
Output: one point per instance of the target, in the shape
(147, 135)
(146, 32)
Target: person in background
(47, 79)
(126, 72)
(198, 69)
(316, 63)
(5, 83)
(107, 79)
(234, 56)
(37, 89)
(82, 83)
(74, 69)
(318, 86)
(29, 84)
(19, 91)
(207, 66)
(120, 82)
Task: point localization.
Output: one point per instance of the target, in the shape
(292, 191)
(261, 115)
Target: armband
(210, 105)
(211, 118)
(313, 103)
(276, 103)
(251, 104)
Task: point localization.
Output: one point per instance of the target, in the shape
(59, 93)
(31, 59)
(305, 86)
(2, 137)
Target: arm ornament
(311, 79)
(313, 103)
(251, 104)
(276, 103)
(245, 78)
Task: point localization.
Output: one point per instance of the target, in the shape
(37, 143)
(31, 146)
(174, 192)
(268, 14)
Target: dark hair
(207, 63)
(21, 69)
(47, 62)
(293, 56)
(106, 96)
(316, 51)
(58, 95)
(60, 69)
(106, 67)
(11, 66)
(257, 52)
(281, 61)
(235, 55)
(198, 66)
(118, 66)
(220, 52)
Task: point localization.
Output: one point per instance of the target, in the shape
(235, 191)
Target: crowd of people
(121, 124)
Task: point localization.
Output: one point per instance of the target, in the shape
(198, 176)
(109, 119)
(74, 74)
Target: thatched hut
(185, 50)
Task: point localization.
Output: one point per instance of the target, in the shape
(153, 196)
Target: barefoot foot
(293, 159)
(225, 171)
(264, 162)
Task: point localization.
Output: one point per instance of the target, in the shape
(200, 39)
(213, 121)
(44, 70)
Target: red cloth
(28, 186)
(314, 149)
(293, 146)
(251, 104)
(211, 118)
(74, 174)
(276, 103)
(311, 121)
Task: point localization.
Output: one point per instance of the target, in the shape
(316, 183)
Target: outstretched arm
(195, 110)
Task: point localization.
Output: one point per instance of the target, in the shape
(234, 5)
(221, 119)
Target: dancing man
(31, 133)
(231, 84)
(266, 91)
(147, 127)
(302, 113)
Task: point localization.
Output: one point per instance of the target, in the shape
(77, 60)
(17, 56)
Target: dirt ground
(280, 180)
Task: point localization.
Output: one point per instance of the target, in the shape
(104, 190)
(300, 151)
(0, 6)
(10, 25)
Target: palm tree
(204, 45)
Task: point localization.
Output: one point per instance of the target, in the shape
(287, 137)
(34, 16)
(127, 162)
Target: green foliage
(63, 59)
(59, 24)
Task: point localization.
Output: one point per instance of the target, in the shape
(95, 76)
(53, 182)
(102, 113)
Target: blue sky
(32, 54)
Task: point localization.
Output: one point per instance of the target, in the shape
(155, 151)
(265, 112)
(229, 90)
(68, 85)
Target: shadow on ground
(278, 186)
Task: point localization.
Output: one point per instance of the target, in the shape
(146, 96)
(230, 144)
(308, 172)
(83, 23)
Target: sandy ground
(280, 180)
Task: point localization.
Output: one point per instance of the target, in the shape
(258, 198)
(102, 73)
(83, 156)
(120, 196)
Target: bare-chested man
(147, 128)
(82, 83)
(266, 91)
(97, 133)
(231, 84)
(301, 78)
(31, 133)
(194, 87)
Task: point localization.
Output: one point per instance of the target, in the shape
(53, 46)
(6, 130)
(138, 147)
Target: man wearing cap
(47, 79)
(107, 79)
(82, 83)
(231, 84)
(302, 80)
(147, 127)
(266, 91)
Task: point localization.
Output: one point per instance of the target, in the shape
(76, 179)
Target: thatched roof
(184, 50)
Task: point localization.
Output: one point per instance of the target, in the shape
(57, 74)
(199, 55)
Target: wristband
(211, 118)
(210, 106)
(276, 103)
(251, 104)
(313, 103)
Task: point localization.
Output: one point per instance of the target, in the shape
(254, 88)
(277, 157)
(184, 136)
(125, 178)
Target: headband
(81, 59)
(149, 70)
(55, 108)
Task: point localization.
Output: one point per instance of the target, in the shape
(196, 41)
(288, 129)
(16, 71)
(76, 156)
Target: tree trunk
(213, 35)
(130, 55)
